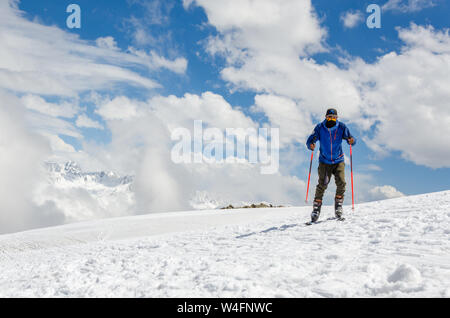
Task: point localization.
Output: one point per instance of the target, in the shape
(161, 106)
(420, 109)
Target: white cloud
(141, 36)
(267, 45)
(37, 103)
(385, 192)
(406, 97)
(46, 60)
(145, 29)
(52, 119)
(154, 61)
(351, 19)
(408, 5)
(211, 108)
(45, 125)
(425, 38)
(371, 167)
(294, 123)
(58, 145)
(290, 27)
(84, 121)
(107, 42)
(120, 108)
(157, 11)
(22, 153)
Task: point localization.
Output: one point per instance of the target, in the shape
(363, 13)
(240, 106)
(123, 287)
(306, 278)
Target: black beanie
(331, 111)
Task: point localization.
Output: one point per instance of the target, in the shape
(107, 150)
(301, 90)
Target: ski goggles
(331, 117)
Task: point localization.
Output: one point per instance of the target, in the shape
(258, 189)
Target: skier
(330, 133)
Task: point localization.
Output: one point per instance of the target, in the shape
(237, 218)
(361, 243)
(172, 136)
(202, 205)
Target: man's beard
(330, 123)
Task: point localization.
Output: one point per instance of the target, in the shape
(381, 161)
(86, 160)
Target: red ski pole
(309, 176)
(351, 170)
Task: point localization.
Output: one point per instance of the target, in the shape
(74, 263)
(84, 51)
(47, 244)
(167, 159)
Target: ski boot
(316, 210)
(338, 210)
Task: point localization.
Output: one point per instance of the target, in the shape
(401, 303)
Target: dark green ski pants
(325, 173)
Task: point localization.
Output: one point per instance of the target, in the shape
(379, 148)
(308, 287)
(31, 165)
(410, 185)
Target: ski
(336, 218)
(311, 222)
(329, 219)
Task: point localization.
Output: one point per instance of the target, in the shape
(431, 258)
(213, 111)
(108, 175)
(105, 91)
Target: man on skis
(330, 133)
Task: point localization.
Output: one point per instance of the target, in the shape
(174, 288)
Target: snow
(392, 248)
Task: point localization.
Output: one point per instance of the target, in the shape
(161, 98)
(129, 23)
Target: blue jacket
(330, 141)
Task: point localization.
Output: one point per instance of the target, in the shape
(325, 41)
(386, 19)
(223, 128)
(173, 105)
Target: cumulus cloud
(267, 45)
(211, 108)
(351, 19)
(120, 107)
(385, 192)
(294, 122)
(413, 82)
(107, 42)
(22, 153)
(290, 27)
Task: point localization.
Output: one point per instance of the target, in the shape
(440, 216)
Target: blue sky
(177, 31)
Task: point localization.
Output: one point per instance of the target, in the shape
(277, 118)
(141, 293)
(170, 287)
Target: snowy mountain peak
(72, 168)
(71, 171)
(81, 195)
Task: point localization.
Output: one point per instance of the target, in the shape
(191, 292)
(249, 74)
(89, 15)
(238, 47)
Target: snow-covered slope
(397, 247)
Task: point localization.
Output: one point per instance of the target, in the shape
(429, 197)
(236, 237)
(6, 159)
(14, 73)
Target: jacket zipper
(331, 144)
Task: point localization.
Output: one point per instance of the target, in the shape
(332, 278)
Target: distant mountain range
(86, 195)
(70, 171)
